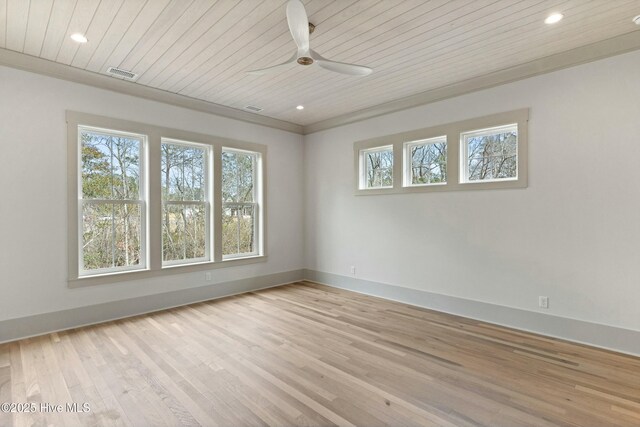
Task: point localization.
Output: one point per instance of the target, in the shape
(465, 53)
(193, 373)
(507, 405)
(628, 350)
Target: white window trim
(464, 149)
(408, 159)
(206, 203)
(257, 203)
(362, 168)
(154, 266)
(142, 201)
(453, 132)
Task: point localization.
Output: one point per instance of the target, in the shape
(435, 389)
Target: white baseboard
(593, 334)
(39, 324)
(579, 331)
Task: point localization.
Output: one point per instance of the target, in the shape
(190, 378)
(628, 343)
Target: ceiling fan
(300, 28)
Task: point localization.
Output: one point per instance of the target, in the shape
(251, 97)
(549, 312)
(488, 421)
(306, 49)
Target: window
(377, 167)
(146, 201)
(112, 205)
(426, 161)
(239, 203)
(186, 211)
(490, 154)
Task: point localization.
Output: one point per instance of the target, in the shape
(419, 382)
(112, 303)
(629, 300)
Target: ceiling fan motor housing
(305, 60)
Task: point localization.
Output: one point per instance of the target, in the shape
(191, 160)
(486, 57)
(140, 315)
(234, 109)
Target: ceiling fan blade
(341, 67)
(344, 68)
(274, 68)
(298, 24)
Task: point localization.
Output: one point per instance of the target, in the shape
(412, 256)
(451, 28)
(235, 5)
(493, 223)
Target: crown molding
(603, 49)
(581, 55)
(33, 64)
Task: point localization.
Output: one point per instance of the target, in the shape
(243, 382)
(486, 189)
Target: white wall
(573, 234)
(33, 207)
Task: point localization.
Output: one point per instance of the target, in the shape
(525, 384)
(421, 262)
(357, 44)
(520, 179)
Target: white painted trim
(579, 331)
(32, 64)
(407, 159)
(40, 324)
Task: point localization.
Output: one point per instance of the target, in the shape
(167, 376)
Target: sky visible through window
(111, 210)
(493, 155)
(239, 202)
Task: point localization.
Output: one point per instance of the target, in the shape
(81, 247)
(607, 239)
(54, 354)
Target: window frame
(153, 191)
(257, 203)
(141, 201)
(464, 150)
(363, 166)
(207, 202)
(453, 132)
(408, 160)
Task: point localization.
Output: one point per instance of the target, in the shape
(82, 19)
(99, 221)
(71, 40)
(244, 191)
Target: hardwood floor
(312, 355)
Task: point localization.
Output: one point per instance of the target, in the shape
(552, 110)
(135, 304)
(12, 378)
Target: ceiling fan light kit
(300, 28)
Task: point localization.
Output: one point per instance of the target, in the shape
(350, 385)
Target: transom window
(426, 161)
(490, 154)
(377, 167)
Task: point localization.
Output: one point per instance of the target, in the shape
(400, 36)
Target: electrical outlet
(207, 276)
(353, 270)
(543, 302)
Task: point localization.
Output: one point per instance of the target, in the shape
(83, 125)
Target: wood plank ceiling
(202, 48)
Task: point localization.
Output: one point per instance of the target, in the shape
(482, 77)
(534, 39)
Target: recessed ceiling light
(300, 107)
(553, 18)
(636, 20)
(77, 37)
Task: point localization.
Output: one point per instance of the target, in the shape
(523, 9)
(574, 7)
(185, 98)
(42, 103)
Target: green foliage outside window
(111, 227)
(238, 199)
(184, 188)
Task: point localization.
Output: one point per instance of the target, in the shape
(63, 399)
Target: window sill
(452, 186)
(431, 184)
(125, 276)
(481, 181)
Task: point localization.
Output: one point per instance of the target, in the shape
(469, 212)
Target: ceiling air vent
(124, 74)
(253, 108)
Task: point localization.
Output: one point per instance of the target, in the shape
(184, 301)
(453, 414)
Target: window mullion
(238, 229)
(183, 214)
(216, 201)
(113, 236)
(154, 201)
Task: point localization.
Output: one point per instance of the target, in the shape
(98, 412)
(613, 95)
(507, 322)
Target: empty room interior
(319, 212)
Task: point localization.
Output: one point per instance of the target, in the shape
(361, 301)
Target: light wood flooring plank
(311, 355)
